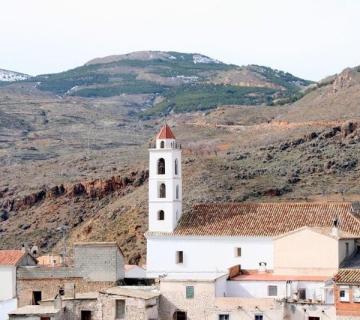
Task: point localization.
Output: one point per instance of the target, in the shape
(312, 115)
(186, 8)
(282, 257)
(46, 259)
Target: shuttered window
(189, 292)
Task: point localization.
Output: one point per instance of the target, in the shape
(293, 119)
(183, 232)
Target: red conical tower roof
(165, 133)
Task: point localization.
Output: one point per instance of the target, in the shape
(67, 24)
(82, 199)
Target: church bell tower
(165, 188)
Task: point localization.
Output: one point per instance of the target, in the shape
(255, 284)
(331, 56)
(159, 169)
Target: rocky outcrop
(93, 189)
(343, 80)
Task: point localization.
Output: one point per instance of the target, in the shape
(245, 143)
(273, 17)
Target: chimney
(24, 248)
(262, 267)
(335, 228)
(58, 302)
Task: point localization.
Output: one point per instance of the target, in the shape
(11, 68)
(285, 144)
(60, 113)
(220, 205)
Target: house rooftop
(193, 277)
(255, 275)
(78, 296)
(10, 257)
(35, 310)
(141, 292)
(348, 276)
(326, 231)
(264, 219)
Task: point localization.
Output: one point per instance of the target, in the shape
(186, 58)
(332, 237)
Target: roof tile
(264, 219)
(165, 133)
(10, 257)
(348, 276)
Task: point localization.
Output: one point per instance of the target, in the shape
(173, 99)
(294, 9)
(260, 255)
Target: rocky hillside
(175, 82)
(78, 166)
(10, 76)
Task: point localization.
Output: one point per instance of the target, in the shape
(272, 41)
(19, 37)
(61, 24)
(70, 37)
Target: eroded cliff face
(45, 216)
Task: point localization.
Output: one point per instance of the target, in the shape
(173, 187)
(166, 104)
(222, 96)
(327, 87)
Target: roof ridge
(274, 203)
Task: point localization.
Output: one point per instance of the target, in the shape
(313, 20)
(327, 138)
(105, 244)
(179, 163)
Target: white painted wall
(254, 289)
(135, 272)
(259, 289)
(206, 254)
(7, 282)
(7, 306)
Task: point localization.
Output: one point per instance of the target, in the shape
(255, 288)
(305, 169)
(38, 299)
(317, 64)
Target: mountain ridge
(174, 82)
(11, 76)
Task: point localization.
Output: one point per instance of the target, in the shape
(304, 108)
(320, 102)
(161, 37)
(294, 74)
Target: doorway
(179, 315)
(36, 297)
(85, 315)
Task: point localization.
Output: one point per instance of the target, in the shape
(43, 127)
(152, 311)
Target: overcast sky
(309, 38)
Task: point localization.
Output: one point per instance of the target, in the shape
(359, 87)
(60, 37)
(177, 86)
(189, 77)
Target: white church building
(275, 252)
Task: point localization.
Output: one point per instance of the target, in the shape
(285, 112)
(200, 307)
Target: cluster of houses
(218, 261)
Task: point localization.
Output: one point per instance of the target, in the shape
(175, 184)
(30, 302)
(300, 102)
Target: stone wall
(50, 287)
(173, 298)
(204, 304)
(99, 261)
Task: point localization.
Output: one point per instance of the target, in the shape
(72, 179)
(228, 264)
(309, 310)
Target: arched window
(161, 166)
(162, 191)
(177, 192)
(162, 144)
(176, 166)
(161, 215)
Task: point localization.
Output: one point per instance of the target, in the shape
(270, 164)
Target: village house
(97, 266)
(242, 260)
(347, 289)
(92, 288)
(10, 261)
(122, 302)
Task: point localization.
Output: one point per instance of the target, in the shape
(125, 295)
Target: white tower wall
(172, 203)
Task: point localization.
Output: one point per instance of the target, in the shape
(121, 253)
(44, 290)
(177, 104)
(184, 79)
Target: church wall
(322, 259)
(206, 254)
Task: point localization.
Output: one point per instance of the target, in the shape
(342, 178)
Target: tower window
(161, 166)
(162, 191)
(162, 144)
(176, 166)
(177, 192)
(179, 257)
(161, 215)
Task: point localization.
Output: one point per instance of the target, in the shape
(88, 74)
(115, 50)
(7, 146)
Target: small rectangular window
(272, 291)
(224, 317)
(179, 257)
(120, 309)
(238, 252)
(259, 317)
(344, 294)
(189, 292)
(302, 294)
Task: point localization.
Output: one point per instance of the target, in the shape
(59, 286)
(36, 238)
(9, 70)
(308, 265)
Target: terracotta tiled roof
(351, 276)
(254, 275)
(10, 257)
(264, 219)
(165, 133)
